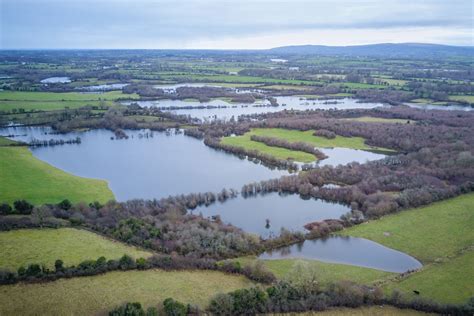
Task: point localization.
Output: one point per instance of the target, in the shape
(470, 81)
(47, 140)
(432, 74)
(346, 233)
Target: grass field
(371, 119)
(24, 177)
(428, 233)
(307, 137)
(25, 246)
(441, 236)
(326, 272)
(363, 311)
(447, 282)
(244, 141)
(48, 101)
(465, 98)
(99, 294)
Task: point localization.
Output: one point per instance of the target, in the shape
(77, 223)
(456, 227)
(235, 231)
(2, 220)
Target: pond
(348, 250)
(288, 211)
(220, 109)
(103, 87)
(343, 156)
(440, 107)
(148, 168)
(56, 80)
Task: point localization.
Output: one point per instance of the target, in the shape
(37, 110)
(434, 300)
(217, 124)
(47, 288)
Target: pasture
(25, 177)
(99, 294)
(44, 246)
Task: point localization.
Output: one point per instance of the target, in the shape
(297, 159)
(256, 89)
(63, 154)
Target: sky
(224, 24)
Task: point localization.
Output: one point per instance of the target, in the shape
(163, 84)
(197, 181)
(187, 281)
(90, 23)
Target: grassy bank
(44, 246)
(25, 177)
(99, 294)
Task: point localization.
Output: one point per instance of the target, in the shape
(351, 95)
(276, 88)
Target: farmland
(45, 246)
(100, 294)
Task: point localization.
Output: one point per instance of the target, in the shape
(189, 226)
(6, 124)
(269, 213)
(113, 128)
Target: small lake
(220, 109)
(348, 250)
(56, 80)
(440, 107)
(103, 87)
(343, 156)
(288, 211)
(141, 167)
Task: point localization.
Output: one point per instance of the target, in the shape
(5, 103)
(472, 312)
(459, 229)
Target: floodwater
(141, 167)
(267, 214)
(223, 110)
(440, 107)
(104, 87)
(348, 250)
(56, 80)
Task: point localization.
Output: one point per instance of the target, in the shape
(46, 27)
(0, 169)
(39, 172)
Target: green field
(446, 282)
(465, 98)
(441, 236)
(302, 136)
(244, 141)
(25, 246)
(428, 233)
(326, 272)
(48, 101)
(99, 294)
(25, 177)
(372, 119)
(363, 311)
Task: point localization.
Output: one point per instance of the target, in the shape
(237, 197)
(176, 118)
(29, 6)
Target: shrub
(5, 209)
(128, 309)
(174, 308)
(23, 207)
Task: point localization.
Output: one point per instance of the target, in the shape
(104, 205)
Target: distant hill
(392, 50)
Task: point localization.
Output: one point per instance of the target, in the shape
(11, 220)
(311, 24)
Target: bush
(5, 209)
(128, 309)
(174, 308)
(23, 207)
(65, 204)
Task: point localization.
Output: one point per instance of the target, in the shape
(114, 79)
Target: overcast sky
(224, 24)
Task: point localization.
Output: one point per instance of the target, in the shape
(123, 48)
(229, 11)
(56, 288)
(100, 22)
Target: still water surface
(287, 211)
(348, 250)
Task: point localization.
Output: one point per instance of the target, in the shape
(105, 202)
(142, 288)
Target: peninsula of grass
(245, 142)
(99, 294)
(25, 177)
(44, 246)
